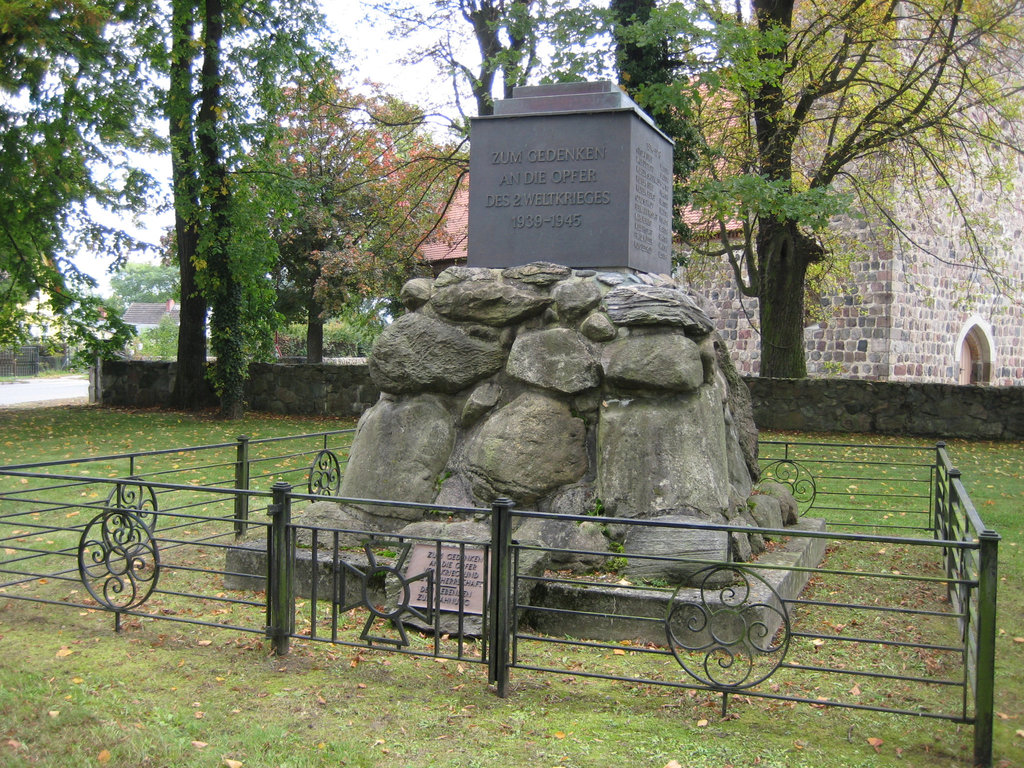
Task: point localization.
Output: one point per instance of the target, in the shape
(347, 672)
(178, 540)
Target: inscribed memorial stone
(572, 173)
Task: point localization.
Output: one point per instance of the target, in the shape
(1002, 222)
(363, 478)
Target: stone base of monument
(246, 567)
(594, 611)
(624, 613)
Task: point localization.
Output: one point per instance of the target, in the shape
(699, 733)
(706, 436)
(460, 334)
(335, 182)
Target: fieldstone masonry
(902, 317)
(807, 405)
(570, 391)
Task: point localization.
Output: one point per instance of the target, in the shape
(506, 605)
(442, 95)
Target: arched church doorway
(975, 357)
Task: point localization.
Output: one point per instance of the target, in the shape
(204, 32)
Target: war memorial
(562, 457)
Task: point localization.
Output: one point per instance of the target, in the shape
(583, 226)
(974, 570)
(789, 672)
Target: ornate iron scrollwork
(325, 474)
(735, 631)
(137, 497)
(118, 559)
(797, 477)
(393, 582)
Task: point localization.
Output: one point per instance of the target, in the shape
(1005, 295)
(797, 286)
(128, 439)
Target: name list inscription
(652, 199)
(548, 187)
(460, 572)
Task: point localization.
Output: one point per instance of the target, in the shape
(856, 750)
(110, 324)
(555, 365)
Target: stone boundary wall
(888, 408)
(806, 405)
(337, 389)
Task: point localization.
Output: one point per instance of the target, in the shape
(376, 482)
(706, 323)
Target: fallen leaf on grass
(103, 757)
(232, 763)
(54, 713)
(1020, 733)
(14, 744)
(855, 690)
(619, 652)
(1004, 716)
(559, 734)
(875, 742)
(64, 651)
(702, 723)
(205, 642)
(199, 744)
(673, 764)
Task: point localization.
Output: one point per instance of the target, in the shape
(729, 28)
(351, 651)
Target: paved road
(44, 390)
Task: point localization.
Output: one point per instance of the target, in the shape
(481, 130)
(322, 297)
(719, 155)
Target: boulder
(766, 511)
(688, 550)
(578, 499)
(416, 292)
(661, 362)
(656, 456)
(351, 522)
(656, 305)
(541, 273)
(491, 302)
(788, 505)
(597, 327)
(574, 298)
(558, 359)
(740, 407)
(399, 451)
(482, 399)
(418, 353)
(567, 545)
(527, 449)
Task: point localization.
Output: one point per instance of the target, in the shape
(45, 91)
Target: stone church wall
(902, 318)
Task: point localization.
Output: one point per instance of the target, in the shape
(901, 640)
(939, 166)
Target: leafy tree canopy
(142, 282)
(815, 109)
(65, 123)
(360, 186)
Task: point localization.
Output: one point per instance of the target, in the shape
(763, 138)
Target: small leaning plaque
(461, 571)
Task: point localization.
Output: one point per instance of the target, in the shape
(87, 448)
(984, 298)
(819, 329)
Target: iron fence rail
(891, 608)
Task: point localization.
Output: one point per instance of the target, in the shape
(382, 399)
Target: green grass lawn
(72, 692)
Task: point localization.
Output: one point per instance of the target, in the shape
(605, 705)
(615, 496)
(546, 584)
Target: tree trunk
(315, 341)
(783, 251)
(226, 323)
(190, 375)
(784, 254)
(484, 20)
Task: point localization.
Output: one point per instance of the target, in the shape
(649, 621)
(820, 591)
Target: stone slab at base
(619, 613)
(246, 568)
(593, 611)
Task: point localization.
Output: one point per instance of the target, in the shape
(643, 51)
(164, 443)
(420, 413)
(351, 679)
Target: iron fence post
(501, 573)
(242, 484)
(280, 559)
(984, 683)
(936, 493)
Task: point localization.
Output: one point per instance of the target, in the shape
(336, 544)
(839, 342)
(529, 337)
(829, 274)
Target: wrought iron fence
(886, 605)
(19, 361)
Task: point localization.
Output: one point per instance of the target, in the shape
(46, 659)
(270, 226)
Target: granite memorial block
(572, 173)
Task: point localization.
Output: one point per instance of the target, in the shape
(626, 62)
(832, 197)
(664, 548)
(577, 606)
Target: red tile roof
(448, 246)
